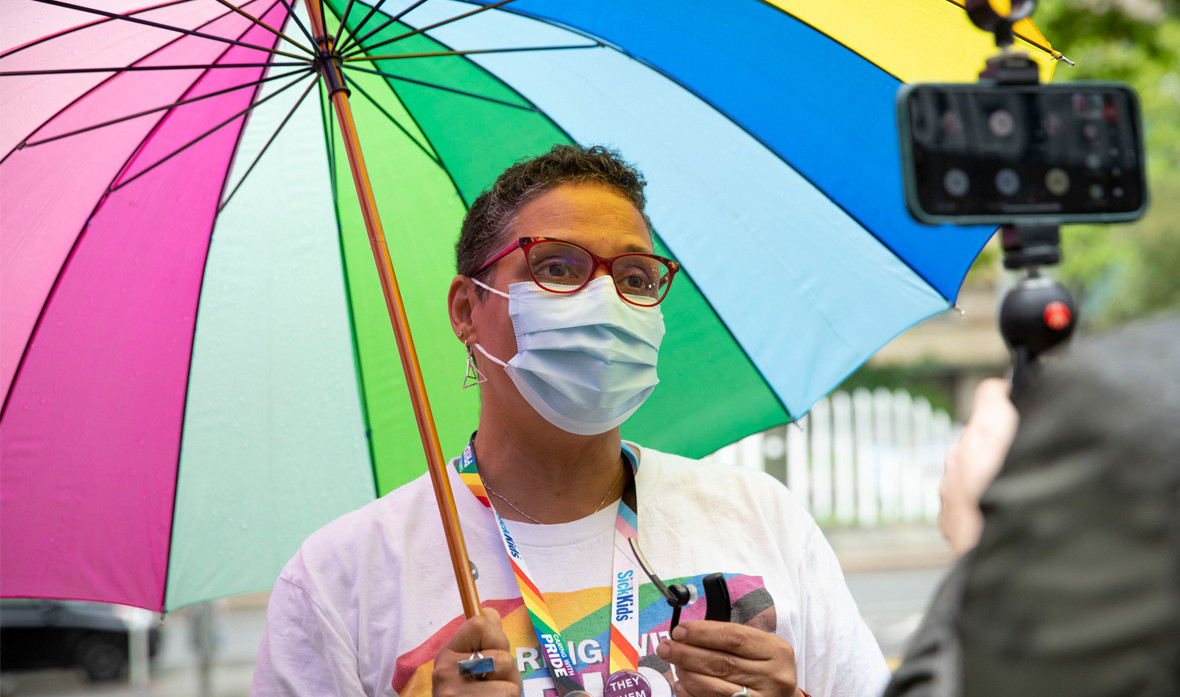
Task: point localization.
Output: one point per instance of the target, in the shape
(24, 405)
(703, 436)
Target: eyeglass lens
(560, 267)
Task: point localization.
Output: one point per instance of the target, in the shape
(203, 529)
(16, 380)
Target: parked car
(36, 634)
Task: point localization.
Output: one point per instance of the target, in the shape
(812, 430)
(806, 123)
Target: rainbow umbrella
(196, 361)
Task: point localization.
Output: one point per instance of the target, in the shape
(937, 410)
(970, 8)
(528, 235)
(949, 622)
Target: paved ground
(891, 573)
(893, 603)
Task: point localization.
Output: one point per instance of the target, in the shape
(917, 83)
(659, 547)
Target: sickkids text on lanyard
(624, 679)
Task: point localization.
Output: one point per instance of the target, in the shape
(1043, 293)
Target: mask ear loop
(474, 376)
(488, 356)
(485, 286)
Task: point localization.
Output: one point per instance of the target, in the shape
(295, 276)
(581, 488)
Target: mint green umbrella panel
(196, 361)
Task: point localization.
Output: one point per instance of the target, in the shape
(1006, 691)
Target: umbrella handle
(397, 317)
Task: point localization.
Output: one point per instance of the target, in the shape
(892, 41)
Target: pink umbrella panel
(142, 251)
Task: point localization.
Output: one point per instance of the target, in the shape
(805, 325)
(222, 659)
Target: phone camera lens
(1007, 181)
(1057, 181)
(1001, 123)
(951, 124)
(1093, 160)
(1097, 192)
(955, 182)
(1053, 125)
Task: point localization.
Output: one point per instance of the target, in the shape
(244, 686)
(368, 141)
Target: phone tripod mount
(1010, 67)
(1038, 313)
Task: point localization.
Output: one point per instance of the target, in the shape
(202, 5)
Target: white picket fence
(868, 458)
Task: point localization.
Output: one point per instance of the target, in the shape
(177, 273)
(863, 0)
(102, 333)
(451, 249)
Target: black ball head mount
(1038, 313)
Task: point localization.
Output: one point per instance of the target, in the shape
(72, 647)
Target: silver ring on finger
(477, 666)
(742, 693)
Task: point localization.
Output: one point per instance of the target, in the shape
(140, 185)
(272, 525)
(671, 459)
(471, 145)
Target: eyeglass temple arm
(503, 253)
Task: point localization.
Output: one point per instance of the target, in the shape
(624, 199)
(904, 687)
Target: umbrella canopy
(195, 358)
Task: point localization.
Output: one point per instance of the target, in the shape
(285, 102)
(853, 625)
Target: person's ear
(461, 300)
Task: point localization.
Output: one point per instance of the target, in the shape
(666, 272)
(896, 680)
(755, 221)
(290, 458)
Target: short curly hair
(495, 210)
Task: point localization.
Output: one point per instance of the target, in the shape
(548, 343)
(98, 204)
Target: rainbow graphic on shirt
(583, 618)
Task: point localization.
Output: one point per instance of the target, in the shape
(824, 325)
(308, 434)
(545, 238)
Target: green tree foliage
(1120, 272)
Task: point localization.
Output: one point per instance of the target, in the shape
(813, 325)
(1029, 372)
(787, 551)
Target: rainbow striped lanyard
(624, 626)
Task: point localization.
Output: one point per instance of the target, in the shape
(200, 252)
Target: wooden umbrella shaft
(397, 316)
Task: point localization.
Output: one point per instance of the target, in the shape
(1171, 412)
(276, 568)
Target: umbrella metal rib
(358, 49)
(469, 52)
(295, 16)
(141, 68)
(158, 25)
(444, 88)
(267, 27)
(391, 20)
(270, 140)
(182, 102)
(343, 24)
(96, 22)
(353, 84)
(209, 132)
(352, 34)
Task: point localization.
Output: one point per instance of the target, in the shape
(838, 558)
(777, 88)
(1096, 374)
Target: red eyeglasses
(564, 267)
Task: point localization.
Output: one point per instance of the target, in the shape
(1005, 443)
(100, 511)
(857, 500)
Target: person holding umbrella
(558, 304)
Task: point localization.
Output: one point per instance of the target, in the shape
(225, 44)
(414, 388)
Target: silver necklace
(516, 508)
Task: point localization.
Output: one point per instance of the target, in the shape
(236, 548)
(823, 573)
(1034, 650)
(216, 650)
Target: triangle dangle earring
(473, 377)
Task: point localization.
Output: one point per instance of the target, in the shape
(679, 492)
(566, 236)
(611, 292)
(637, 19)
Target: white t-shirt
(369, 599)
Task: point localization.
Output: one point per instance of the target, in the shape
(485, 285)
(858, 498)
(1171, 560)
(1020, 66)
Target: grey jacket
(1074, 588)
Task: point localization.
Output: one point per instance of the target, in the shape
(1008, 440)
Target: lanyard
(624, 626)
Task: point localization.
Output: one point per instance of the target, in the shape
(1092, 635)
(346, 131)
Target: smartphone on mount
(985, 153)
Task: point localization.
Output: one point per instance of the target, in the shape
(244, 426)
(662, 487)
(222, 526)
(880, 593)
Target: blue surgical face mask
(586, 360)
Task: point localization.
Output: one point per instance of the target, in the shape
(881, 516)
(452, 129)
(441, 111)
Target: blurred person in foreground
(558, 304)
(1069, 583)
